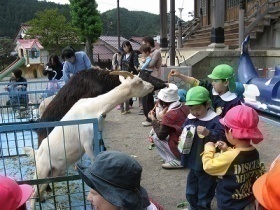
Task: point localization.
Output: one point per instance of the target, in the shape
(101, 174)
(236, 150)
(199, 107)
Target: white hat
(169, 94)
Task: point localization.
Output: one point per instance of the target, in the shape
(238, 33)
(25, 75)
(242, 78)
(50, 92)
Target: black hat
(116, 177)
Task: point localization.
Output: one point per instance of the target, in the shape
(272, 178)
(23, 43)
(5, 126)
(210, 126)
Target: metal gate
(68, 192)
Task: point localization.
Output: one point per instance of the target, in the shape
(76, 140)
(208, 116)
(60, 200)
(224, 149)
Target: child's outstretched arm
(190, 80)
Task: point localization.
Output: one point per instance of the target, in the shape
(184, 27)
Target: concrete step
(197, 44)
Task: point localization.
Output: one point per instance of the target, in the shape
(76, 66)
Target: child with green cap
(204, 126)
(222, 89)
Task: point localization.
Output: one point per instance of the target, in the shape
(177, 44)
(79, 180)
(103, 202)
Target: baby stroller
(53, 85)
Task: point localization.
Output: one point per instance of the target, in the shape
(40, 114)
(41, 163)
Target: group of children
(219, 131)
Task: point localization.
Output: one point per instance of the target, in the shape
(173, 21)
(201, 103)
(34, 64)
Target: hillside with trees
(15, 12)
(133, 23)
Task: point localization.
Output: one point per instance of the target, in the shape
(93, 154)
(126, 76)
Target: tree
(6, 47)
(86, 17)
(52, 30)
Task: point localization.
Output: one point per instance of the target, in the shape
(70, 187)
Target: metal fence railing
(68, 192)
(19, 105)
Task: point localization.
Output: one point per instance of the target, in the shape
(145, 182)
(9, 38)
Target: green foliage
(15, 12)
(86, 17)
(132, 23)
(6, 46)
(52, 29)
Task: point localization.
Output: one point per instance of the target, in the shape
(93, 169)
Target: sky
(151, 6)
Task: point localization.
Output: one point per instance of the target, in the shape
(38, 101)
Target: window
(34, 53)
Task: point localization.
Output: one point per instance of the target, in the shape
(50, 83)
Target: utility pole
(241, 21)
(118, 23)
(172, 33)
(179, 38)
(163, 23)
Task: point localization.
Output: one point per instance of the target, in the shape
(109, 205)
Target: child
(205, 127)
(17, 89)
(237, 167)
(266, 188)
(146, 58)
(114, 179)
(167, 123)
(12, 195)
(222, 89)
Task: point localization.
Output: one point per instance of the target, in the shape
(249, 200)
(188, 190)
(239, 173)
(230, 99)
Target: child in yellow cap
(203, 126)
(239, 166)
(222, 89)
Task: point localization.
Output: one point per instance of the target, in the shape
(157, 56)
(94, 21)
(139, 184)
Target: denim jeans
(200, 190)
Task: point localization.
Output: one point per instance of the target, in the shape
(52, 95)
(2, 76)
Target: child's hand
(143, 59)
(210, 144)
(162, 113)
(19, 86)
(221, 145)
(174, 72)
(151, 115)
(202, 131)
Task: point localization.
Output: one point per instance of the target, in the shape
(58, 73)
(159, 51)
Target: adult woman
(167, 125)
(114, 179)
(55, 65)
(129, 62)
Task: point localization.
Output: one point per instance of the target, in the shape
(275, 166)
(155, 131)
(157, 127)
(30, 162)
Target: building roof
(102, 52)
(29, 43)
(113, 41)
(106, 46)
(136, 39)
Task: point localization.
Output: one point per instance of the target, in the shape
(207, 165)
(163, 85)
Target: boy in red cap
(222, 89)
(267, 187)
(237, 167)
(12, 195)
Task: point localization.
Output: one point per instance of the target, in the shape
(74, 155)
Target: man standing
(155, 64)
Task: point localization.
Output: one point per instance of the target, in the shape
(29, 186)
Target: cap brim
(26, 193)
(258, 187)
(222, 121)
(114, 195)
(212, 76)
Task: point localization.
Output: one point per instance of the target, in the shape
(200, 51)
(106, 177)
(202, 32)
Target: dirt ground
(126, 134)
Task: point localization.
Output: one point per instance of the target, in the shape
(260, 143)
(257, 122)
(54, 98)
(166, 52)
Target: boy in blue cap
(203, 126)
(222, 89)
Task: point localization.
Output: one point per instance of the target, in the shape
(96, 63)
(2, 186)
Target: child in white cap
(169, 127)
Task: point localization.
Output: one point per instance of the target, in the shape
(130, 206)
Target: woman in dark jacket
(129, 60)
(53, 65)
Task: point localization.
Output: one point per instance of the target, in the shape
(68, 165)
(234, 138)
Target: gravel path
(125, 133)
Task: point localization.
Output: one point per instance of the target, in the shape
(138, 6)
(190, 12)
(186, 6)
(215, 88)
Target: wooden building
(218, 21)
